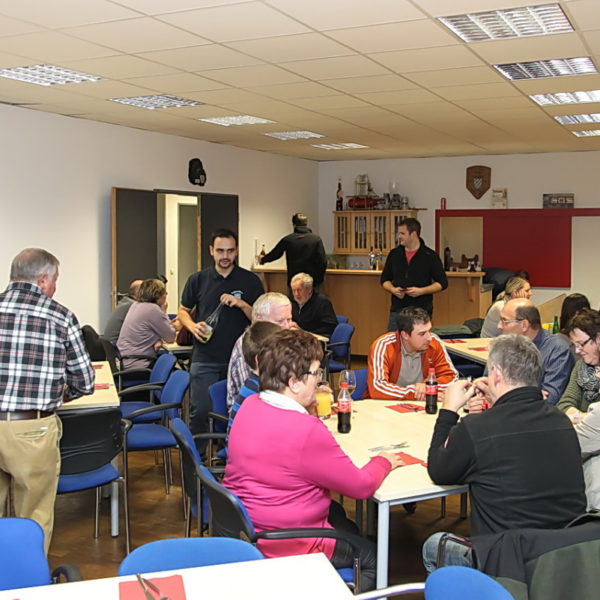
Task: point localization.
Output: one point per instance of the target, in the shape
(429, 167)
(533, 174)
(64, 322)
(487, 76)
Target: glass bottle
(211, 323)
(344, 409)
(555, 326)
(431, 392)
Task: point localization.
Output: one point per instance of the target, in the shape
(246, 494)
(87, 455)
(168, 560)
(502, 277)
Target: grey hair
(263, 305)
(517, 358)
(304, 278)
(32, 263)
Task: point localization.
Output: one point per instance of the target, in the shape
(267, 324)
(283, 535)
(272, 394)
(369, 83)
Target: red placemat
(97, 367)
(453, 341)
(408, 459)
(479, 349)
(406, 407)
(169, 586)
(102, 386)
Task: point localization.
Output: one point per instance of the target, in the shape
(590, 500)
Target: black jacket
(424, 269)
(316, 315)
(521, 459)
(304, 253)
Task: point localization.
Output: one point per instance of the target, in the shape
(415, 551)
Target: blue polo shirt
(202, 292)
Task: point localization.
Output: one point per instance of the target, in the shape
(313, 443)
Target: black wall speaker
(196, 172)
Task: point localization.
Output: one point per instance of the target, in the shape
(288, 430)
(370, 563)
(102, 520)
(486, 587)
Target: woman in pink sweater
(284, 463)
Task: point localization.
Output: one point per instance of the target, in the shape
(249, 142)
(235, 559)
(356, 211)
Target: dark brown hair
(571, 304)
(588, 320)
(254, 338)
(411, 315)
(411, 225)
(285, 354)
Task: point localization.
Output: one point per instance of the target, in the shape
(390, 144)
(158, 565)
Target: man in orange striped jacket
(399, 361)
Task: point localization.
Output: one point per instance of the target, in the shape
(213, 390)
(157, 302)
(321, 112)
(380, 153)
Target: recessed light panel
(587, 133)
(294, 135)
(558, 67)
(578, 119)
(156, 101)
(236, 120)
(339, 146)
(47, 75)
(566, 98)
(510, 23)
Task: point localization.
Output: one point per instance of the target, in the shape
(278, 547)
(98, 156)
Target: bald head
(134, 289)
(520, 316)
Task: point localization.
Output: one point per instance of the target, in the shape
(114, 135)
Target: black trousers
(343, 554)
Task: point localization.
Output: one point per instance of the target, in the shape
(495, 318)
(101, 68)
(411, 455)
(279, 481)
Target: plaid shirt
(42, 355)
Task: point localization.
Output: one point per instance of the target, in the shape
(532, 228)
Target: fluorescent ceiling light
(566, 98)
(558, 67)
(544, 19)
(577, 119)
(47, 75)
(588, 133)
(156, 101)
(236, 120)
(294, 135)
(339, 146)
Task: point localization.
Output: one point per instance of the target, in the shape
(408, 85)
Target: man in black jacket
(412, 272)
(311, 311)
(304, 251)
(521, 458)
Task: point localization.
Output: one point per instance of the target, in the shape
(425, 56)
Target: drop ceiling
(385, 74)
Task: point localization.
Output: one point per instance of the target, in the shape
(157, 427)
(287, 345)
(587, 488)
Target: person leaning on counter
(412, 272)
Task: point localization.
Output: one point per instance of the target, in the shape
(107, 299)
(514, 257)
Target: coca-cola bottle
(431, 392)
(344, 409)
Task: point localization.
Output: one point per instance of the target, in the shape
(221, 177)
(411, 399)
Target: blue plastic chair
(218, 417)
(159, 374)
(463, 583)
(156, 436)
(339, 347)
(184, 553)
(361, 384)
(24, 562)
(341, 319)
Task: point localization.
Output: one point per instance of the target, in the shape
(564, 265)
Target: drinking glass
(348, 377)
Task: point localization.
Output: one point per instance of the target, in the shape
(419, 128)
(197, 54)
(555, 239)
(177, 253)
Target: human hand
(200, 330)
(457, 394)
(394, 460)
(420, 391)
(482, 388)
(413, 292)
(575, 415)
(545, 394)
(231, 300)
(398, 292)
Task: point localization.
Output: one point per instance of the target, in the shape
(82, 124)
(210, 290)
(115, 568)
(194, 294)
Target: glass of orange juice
(323, 405)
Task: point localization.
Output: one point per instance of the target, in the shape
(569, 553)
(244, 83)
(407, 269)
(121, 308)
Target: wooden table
(373, 425)
(290, 577)
(475, 349)
(104, 397)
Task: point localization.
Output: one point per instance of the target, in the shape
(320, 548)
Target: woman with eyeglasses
(583, 388)
(516, 287)
(284, 463)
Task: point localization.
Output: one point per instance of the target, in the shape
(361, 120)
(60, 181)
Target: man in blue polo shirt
(236, 289)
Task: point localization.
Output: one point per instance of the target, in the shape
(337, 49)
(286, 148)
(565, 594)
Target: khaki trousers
(30, 462)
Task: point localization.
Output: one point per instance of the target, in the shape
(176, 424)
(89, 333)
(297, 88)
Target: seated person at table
(399, 361)
(284, 463)
(311, 310)
(146, 326)
(115, 323)
(520, 316)
(516, 287)
(583, 388)
(253, 340)
(272, 307)
(572, 304)
(520, 458)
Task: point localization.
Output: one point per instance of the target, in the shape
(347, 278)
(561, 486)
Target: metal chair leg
(464, 505)
(97, 513)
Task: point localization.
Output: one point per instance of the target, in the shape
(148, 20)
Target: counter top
(262, 269)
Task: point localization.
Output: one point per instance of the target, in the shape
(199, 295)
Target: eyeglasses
(579, 346)
(317, 373)
(507, 321)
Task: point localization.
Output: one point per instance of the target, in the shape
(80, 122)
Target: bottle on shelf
(344, 409)
(211, 323)
(262, 254)
(373, 259)
(431, 392)
(339, 195)
(555, 326)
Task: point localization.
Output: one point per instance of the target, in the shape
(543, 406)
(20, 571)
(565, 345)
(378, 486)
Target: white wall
(526, 177)
(57, 173)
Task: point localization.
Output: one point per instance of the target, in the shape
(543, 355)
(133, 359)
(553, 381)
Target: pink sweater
(284, 465)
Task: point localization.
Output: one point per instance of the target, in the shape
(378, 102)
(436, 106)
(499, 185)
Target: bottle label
(344, 405)
(431, 389)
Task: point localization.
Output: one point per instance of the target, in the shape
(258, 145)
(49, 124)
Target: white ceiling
(382, 73)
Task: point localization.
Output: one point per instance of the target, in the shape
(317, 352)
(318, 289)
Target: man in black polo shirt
(236, 289)
(412, 272)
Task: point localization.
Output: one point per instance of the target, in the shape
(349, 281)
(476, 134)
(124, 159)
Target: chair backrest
(189, 455)
(93, 343)
(161, 370)
(23, 562)
(90, 439)
(361, 384)
(183, 553)
(111, 355)
(463, 583)
(341, 319)
(342, 334)
(174, 391)
(218, 397)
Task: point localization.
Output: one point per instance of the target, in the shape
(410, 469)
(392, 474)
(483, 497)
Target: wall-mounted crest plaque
(478, 180)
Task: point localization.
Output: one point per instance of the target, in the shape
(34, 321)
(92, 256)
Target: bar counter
(357, 294)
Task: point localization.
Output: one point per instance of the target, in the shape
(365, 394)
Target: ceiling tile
(328, 102)
(246, 21)
(291, 47)
(374, 83)
(396, 97)
(136, 35)
(200, 58)
(428, 59)
(111, 89)
(121, 66)
(592, 39)
(250, 76)
(157, 7)
(583, 14)
(453, 77)
(10, 26)
(178, 83)
(558, 84)
(332, 68)
(485, 90)
(441, 8)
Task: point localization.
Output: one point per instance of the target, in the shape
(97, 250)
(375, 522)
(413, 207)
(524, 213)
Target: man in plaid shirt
(43, 362)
